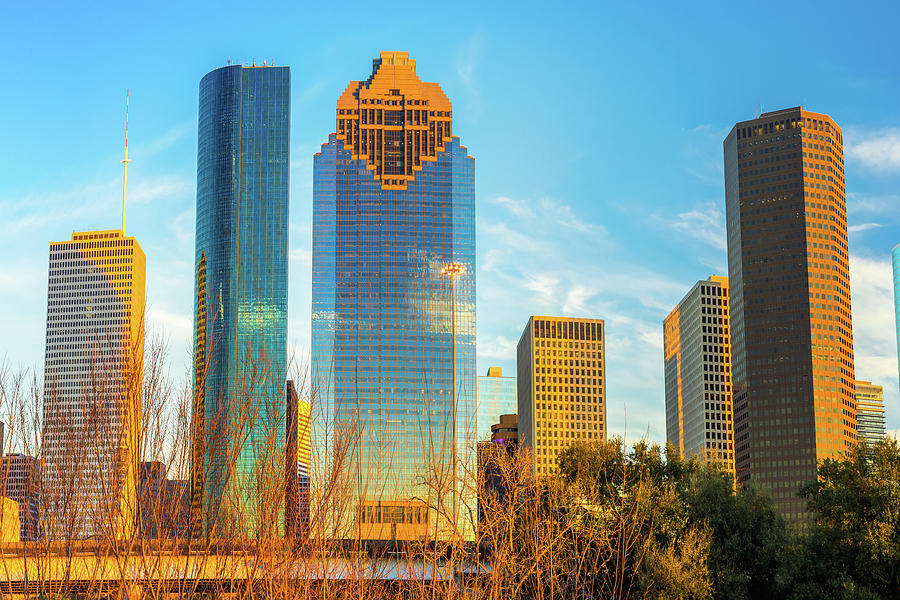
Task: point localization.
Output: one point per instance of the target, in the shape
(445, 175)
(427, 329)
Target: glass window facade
(92, 393)
(243, 162)
(696, 341)
(496, 395)
(792, 341)
(382, 321)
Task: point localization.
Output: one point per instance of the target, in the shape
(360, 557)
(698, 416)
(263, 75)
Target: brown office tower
(792, 341)
(562, 394)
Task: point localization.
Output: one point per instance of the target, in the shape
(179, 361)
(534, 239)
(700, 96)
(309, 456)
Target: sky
(596, 129)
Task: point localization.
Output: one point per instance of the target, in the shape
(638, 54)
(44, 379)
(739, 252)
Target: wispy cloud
(879, 149)
(496, 347)
(164, 187)
(518, 208)
(884, 205)
(565, 216)
(163, 142)
(467, 58)
(705, 224)
(863, 227)
(72, 206)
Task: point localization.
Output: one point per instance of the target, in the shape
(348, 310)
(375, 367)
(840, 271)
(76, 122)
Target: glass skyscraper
(241, 263)
(393, 204)
(496, 395)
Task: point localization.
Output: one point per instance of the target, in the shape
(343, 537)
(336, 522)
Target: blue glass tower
(393, 203)
(243, 161)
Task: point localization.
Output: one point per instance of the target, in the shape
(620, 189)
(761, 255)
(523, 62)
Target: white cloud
(497, 347)
(874, 340)
(518, 208)
(863, 227)
(879, 150)
(565, 216)
(705, 224)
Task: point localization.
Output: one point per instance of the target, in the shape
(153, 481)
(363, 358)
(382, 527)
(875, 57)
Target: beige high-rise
(562, 388)
(697, 341)
(92, 385)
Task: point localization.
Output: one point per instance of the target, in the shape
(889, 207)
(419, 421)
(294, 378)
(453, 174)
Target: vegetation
(614, 522)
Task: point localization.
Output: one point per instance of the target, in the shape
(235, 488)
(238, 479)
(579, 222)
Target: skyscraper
(495, 395)
(869, 412)
(697, 343)
(243, 163)
(393, 205)
(92, 385)
(895, 255)
(561, 380)
(792, 340)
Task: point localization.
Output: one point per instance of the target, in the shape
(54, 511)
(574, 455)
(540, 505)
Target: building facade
(241, 263)
(498, 473)
(297, 443)
(93, 373)
(792, 340)
(393, 205)
(870, 424)
(20, 481)
(561, 386)
(697, 345)
(495, 395)
(163, 503)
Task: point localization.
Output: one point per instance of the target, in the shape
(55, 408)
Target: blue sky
(597, 133)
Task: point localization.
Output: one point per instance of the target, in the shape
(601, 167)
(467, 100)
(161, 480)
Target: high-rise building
(697, 344)
(561, 383)
(92, 385)
(297, 444)
(791, 332)
(895, 256)
(19, 480)
(243, 165)
(498, 471)
(393, 206)
(163, 503)
(870, 426)
(495, 395)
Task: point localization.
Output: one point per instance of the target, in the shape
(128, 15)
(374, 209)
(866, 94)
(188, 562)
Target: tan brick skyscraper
(792, 340)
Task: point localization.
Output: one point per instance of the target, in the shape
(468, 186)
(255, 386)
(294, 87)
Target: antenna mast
(125, 161)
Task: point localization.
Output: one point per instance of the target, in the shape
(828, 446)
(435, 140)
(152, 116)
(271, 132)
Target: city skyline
(524, 214)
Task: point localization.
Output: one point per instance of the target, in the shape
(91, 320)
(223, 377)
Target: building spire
(125, 161)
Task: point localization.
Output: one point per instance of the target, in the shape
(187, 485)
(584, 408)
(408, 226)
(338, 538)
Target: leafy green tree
(853, 547)
(750, 540)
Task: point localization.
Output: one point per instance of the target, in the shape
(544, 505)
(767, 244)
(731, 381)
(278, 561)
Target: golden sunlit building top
(393, 120)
